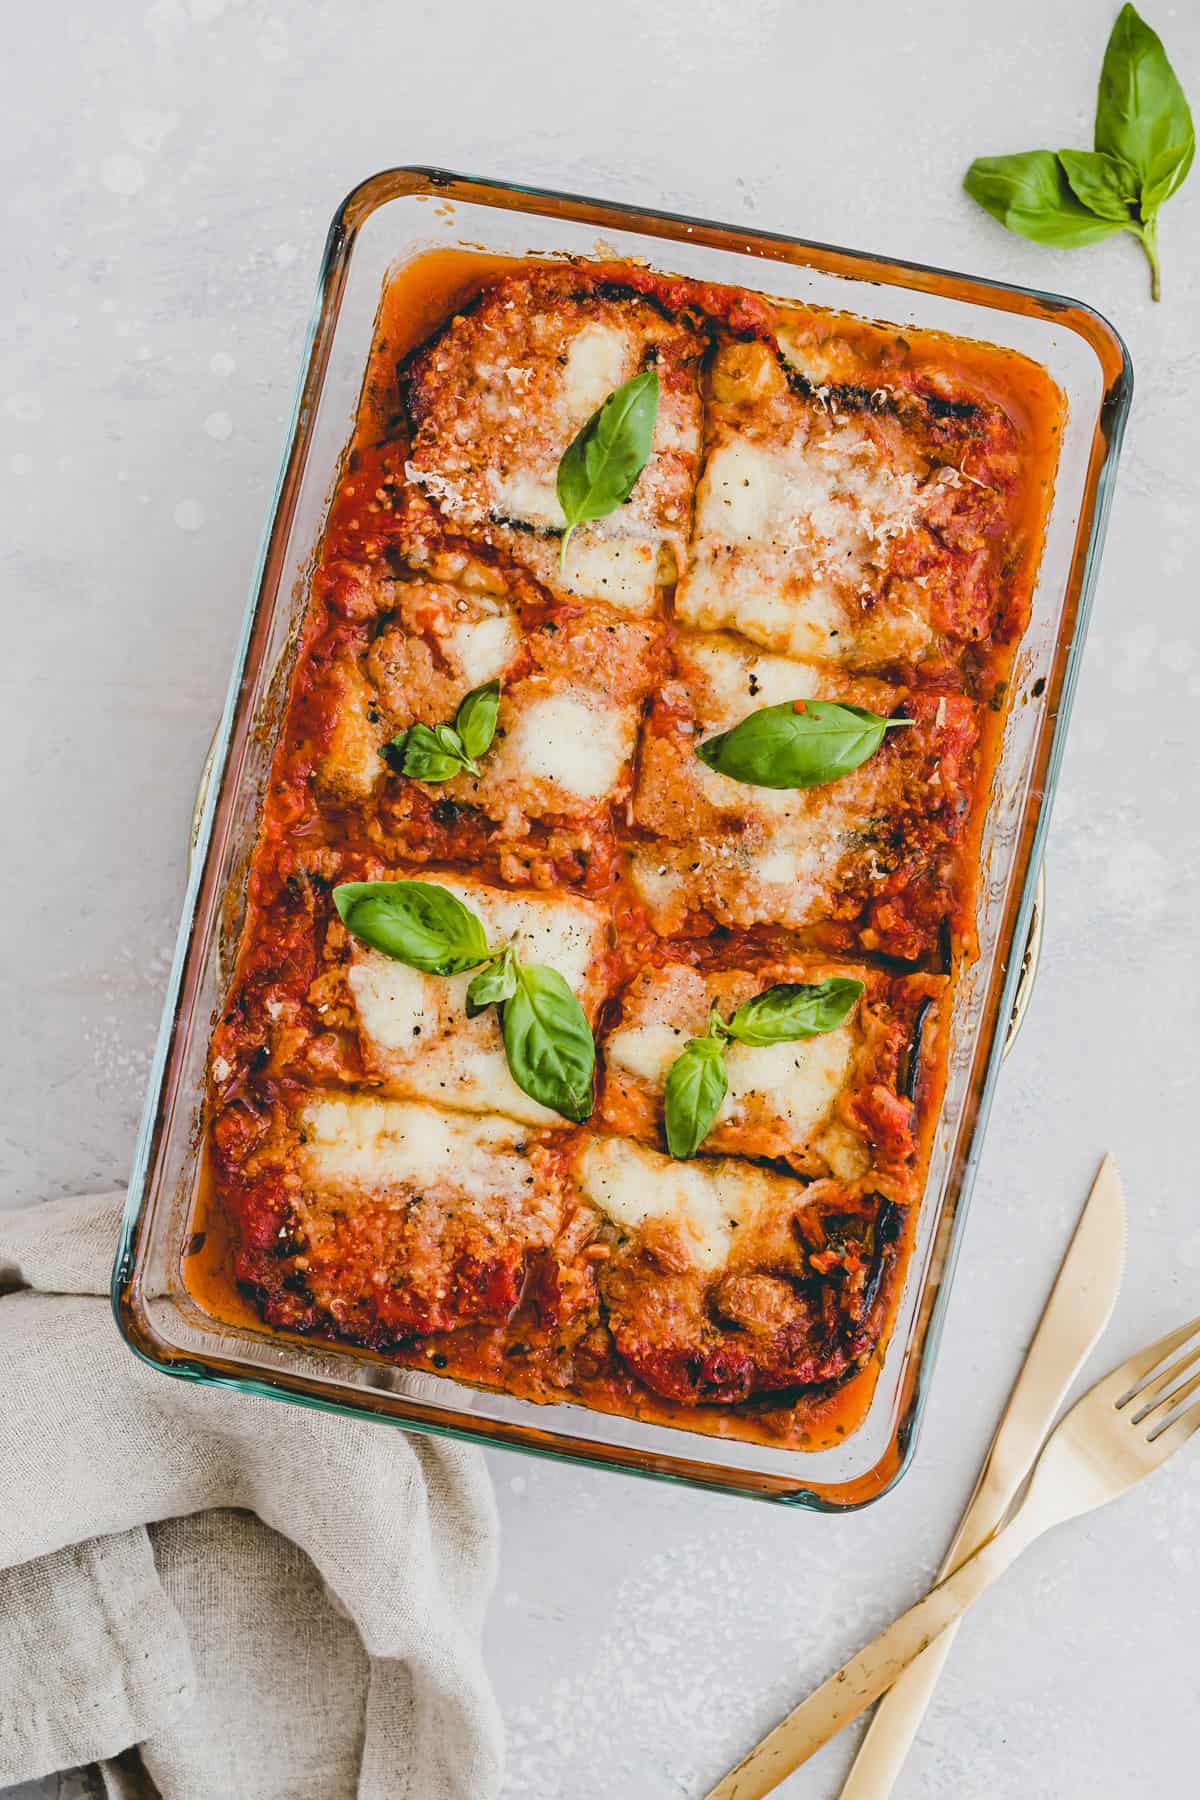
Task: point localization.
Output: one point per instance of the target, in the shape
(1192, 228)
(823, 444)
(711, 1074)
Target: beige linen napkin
(273, 1603)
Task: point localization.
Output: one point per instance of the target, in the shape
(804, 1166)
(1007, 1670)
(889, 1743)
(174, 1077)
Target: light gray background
(170, 170)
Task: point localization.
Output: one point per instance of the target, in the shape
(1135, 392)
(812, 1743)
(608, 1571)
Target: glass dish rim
(1117, 378)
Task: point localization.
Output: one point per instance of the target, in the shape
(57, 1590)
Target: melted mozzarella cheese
(645, 1051)
(621, 571)
(484, 646)
(743, 590)
(360, 1142)
(792, 535)
(739, 497)
(528, 496)
(596, 364)
(567, 741)
(740, 682)
(796, 1083)
(707, 1202)
(415, 1029)
(786, 883)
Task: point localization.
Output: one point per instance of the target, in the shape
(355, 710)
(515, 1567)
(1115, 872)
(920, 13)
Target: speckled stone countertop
(170, 169)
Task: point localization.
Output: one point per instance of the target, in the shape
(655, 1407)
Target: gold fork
(1122, 1430)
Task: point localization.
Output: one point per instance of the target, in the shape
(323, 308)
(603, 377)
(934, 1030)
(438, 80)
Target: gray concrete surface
(170, 169)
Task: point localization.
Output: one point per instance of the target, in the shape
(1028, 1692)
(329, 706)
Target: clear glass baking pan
(384, 223)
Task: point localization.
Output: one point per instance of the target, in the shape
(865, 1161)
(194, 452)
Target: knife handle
(893, 1729)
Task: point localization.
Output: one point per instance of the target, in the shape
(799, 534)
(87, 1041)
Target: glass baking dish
(386, 221)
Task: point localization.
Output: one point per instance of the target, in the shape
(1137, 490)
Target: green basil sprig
(416, 922)
(1144, 142)
(603, 461)
(439, 752)
(697, 1081)
(798, 744)
(547, 1039)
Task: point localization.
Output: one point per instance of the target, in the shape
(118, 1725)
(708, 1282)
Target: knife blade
(1075, 1315)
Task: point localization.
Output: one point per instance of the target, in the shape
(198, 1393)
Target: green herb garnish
(547, 1039)
(798, 744)
(1144, 145)
(439, 752)
(697, 1081)
(603, 461)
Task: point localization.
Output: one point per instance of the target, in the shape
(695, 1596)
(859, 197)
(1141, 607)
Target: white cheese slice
(645, 1051)
(795, 1083)
(596, 364)
(707, 1201)
(791, 536)
(572, 743)
(527, 496)
(740, 682)
(621, 571)
(484, 646)
(752, 594)
(358, 1142)
(739, 497)
(415, 1028)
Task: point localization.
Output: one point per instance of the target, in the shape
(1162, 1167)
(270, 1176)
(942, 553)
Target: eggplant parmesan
(827, 520)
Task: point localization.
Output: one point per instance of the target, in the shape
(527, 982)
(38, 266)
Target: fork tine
(1170, 1437)
(1140, 1366)
(1151, 1393)
(1166, 1406)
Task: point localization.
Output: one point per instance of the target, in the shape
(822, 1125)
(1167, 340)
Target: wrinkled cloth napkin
(273, 1603)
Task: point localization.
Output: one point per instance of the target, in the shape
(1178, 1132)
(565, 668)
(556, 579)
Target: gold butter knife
(1079, 1307)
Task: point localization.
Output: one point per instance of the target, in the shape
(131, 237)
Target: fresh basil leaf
(548, 1042)
(779, 747)
(693, 1094)
(794, 1010)
(426, 758)
(603, 461)
(417, 922)
(1168, 171)
(1030, 194)
(496, 983)
(393, 751)
(1102, 183)
(475, 720)
(1142, 114)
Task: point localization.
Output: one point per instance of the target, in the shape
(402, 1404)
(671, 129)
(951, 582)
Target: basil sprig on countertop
(547, 1039)
(1144, 145)
(439, 752)
(603, 461)
(697, 1081)
(798, 744)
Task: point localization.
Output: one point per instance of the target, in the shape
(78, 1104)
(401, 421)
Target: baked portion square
(835, 519)
(416, 1038)
(399, 1218)
(498, 396)
(838, 1104)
